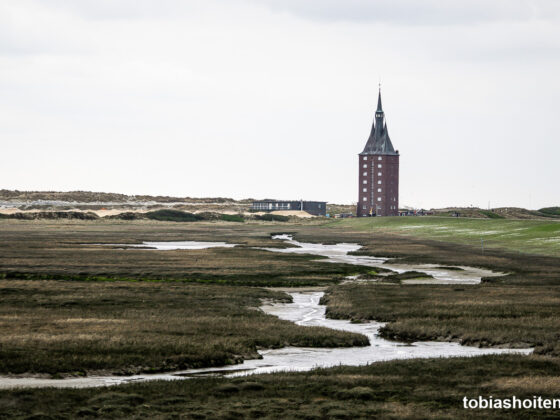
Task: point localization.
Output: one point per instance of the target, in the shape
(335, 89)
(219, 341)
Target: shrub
(272, 217)
(168, 215)
(128, 216)
(232, 218)
(555, 211)
(491, 214)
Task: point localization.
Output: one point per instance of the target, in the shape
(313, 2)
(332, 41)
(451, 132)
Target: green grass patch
(407, 275)
(527, 236)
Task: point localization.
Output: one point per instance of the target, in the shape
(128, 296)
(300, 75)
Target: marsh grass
(74, 251)
(521, 268)
(79, 327)
(516, 309)
(408, 389)
(483, 315)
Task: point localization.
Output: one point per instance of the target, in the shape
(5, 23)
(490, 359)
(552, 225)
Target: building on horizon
(316, 208)
(379, 171)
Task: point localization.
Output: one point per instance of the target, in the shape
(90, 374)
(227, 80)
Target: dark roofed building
(379, 171)
(316, 208)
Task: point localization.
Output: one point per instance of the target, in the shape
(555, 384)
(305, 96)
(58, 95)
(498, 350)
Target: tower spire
(379, 107)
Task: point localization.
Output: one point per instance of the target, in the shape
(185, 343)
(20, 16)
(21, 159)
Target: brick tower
(379, 171)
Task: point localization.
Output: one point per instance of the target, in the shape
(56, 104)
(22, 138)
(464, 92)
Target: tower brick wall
(378, 185)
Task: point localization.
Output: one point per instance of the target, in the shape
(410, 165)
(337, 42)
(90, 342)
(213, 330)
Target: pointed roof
(379, 142)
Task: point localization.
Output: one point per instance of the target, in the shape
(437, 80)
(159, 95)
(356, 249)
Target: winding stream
(339, 254)
(305, 310)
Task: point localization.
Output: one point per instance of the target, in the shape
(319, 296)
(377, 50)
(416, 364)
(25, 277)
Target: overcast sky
(275, 98)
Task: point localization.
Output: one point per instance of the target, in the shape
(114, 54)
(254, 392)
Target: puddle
(168, 246)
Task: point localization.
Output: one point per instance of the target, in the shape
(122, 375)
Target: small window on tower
(378, 198)
(379, 166)
(365, 207)
(379, 158)
(365, 199)
(365, 173)
(364, 189)
(365, 157)
(378, 173)
(365, 181)
(379, 182)
(365, 165)
(379, 190)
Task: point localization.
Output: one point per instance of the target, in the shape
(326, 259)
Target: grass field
(526, 236)
(412, 389)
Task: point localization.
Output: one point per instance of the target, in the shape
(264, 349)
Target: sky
(275, 98)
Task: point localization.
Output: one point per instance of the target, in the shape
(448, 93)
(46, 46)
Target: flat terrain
(97, 308)
(525, 236)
